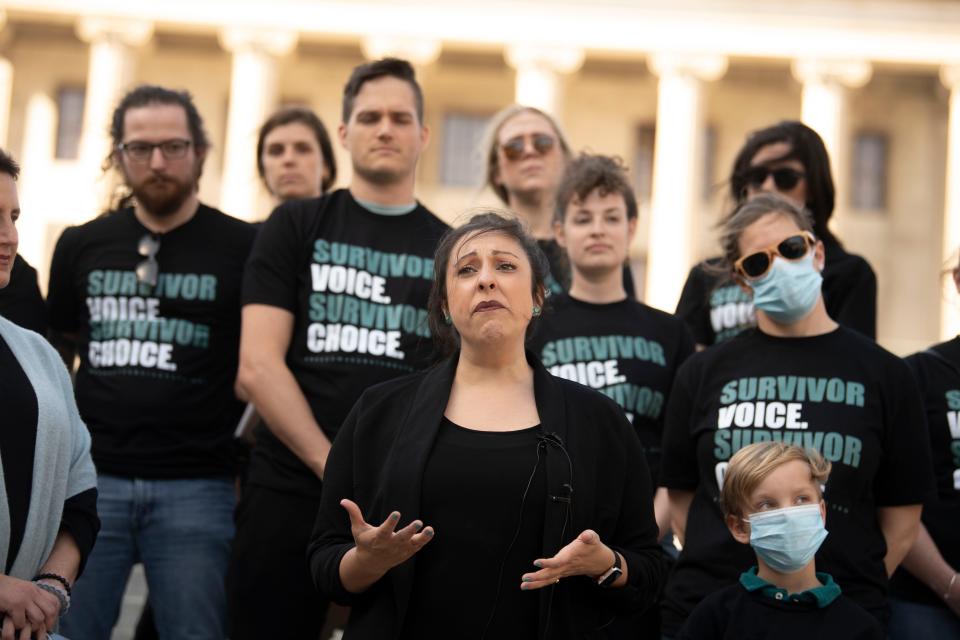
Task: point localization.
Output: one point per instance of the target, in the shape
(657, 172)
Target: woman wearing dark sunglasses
(799, 378)
(788, 159)
(526, 154)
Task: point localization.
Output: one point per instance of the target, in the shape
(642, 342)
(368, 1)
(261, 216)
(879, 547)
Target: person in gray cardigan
(48, 495)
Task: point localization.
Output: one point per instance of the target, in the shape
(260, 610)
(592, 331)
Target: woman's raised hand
(381, 548)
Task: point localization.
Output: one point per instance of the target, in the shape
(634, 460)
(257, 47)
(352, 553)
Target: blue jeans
(911, 620)
(181, 530)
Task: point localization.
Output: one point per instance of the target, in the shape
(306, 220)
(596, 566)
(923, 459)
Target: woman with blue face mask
(797, 378)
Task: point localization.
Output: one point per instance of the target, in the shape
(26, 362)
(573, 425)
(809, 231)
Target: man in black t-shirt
(148, 296)
(335, 297)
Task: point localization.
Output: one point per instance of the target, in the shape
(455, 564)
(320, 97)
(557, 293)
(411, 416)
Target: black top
(475, 495)
(938, 372)
(733, 613)
(157, 363)
(357, 284)
(626, 350)
(839, 393)
(716, 308)
(558, 280)
(20, 301)
(379, 459)
(18, 441)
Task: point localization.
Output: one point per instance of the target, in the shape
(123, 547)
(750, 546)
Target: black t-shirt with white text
(357, 283)
(157, 363)
(838, 393)
(716, 308)
(626, 350)
(938, 372)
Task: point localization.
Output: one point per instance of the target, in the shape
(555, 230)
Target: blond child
(772, 499)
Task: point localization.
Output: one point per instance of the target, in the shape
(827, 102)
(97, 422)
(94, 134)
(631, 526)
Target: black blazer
(378, 459)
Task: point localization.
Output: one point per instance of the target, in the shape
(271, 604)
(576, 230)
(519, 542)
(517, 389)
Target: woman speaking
(485, 498)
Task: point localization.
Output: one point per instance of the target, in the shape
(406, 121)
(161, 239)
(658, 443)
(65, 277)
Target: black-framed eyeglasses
(142, 151)
(148, 269)
(514, 147)
(784, 178)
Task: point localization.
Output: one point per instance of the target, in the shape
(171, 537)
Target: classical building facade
(673, 88)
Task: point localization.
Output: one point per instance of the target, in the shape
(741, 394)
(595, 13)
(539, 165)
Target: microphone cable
(541, 446)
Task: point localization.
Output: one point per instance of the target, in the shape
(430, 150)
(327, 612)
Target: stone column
(677, 171)
(418, 52)
(35, 188)
(826, 85)
(254, 90)
(113, 45)
(950, 306)
(6, 89)
(540, 74)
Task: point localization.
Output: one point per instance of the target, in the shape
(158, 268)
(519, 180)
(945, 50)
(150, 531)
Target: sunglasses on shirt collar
(148, 269)
(758, 264)
(784, 178)
(514, 147)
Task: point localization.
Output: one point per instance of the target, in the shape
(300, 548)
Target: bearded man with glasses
(148, 296)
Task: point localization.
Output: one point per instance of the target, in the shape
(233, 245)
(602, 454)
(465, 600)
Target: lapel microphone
(551, 439)
(545, 441)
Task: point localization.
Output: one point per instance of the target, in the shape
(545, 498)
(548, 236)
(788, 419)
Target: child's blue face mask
(787, 539)
(789, 290)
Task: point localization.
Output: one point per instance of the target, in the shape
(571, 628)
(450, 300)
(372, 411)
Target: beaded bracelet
(59, 593)
(946, 594)
(58, 578)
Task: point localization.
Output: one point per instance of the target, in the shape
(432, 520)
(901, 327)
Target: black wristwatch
(610, 575)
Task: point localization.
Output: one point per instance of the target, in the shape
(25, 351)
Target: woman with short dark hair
(596, 333)
(524, 497)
